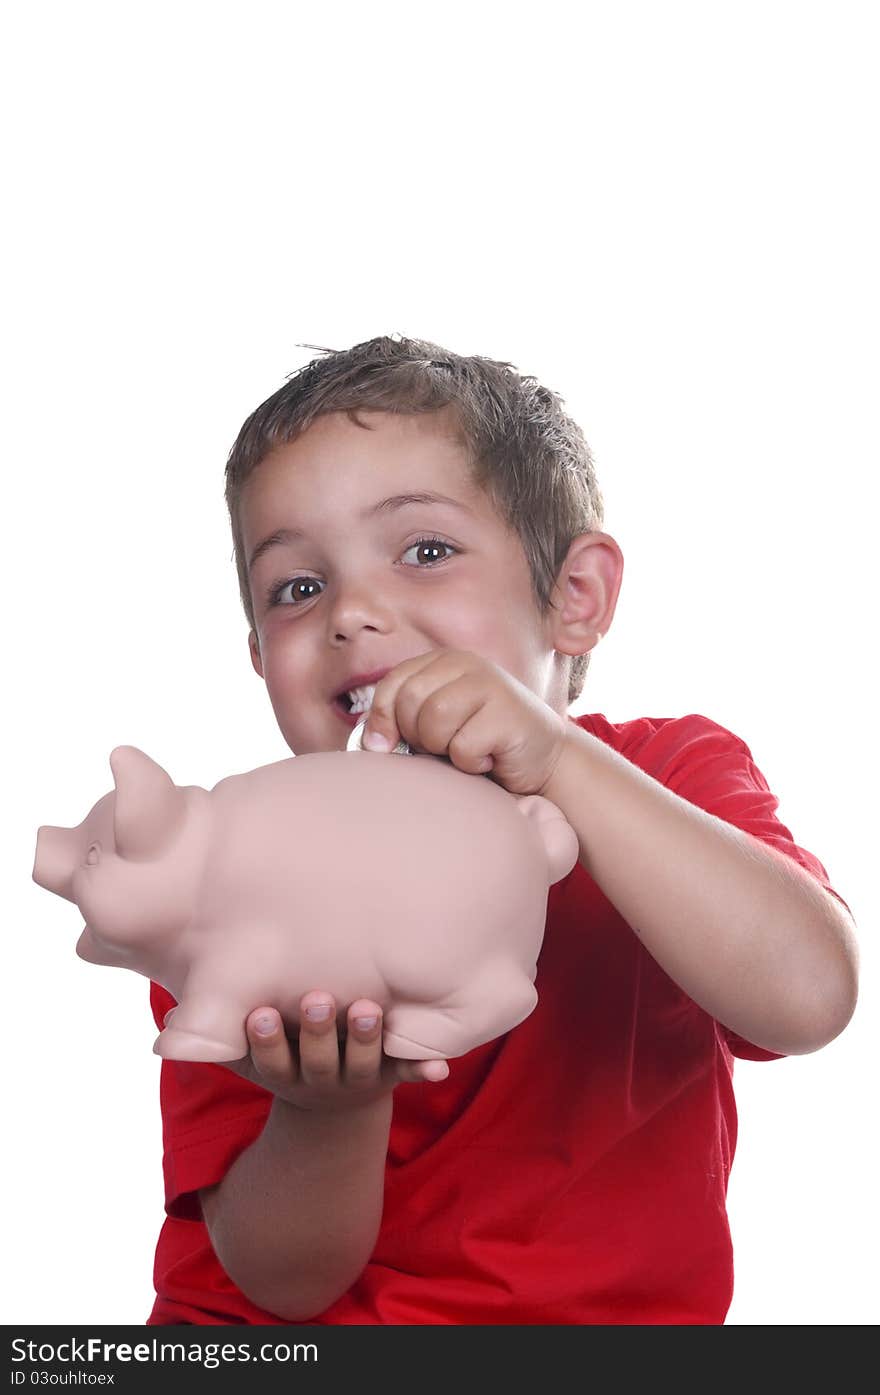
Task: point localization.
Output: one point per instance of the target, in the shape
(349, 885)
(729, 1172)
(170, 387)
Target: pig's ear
(559, 838)
(149, 807)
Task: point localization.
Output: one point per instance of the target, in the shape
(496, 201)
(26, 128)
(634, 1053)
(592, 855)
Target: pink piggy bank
(392, 877)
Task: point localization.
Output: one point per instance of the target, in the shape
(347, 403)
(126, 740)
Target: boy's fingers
(270, 1049)
(381, 732)
(363, 1046)
(318, 1042)
(275, 1062)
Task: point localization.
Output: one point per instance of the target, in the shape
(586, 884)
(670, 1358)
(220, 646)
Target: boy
(429, 524)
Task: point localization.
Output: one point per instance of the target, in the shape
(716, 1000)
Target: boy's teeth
(360, 698)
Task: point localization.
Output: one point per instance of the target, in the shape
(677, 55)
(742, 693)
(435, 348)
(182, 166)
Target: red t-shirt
(572, 1171)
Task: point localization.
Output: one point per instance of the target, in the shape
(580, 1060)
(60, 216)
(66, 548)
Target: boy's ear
(254, 646)
(584, 598)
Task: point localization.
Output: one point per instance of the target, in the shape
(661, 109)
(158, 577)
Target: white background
(665, 212)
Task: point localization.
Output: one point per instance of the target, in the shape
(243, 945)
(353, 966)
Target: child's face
(356, 592)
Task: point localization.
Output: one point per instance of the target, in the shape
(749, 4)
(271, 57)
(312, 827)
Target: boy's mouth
(354, 705)
(342, 706)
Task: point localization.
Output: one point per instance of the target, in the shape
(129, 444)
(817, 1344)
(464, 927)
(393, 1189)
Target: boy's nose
(357, 608)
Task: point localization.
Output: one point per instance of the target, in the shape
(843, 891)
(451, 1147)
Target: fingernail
(264, 1026)
(318, 1012)
(365, 1023)
(375, 741)
(436, 1070)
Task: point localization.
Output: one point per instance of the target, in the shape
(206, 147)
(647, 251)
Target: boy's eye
(298, 585)
(299, 589)
(431, 546)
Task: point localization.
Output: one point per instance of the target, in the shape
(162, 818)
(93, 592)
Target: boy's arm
(295, 1219)
(748, 934)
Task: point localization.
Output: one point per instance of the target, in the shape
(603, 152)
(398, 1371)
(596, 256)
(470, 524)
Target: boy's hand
(453, 703)
(321, 1073)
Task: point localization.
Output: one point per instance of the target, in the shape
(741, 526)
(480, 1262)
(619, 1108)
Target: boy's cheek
(282, 685)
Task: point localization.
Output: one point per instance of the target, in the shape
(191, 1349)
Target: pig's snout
(55, 859)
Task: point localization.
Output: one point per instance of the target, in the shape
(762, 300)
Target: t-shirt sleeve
(209, 1116)
(709, 766)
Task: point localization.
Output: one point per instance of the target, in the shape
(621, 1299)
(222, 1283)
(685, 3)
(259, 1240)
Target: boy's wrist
(554, 788)
(341, 1107)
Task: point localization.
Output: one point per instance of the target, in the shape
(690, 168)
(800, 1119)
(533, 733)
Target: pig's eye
(92, 854)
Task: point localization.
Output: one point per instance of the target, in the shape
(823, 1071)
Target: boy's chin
(330, 734)
(311, 746)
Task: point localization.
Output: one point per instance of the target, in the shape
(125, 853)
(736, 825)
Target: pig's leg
(495, 1000)
(205, 1026)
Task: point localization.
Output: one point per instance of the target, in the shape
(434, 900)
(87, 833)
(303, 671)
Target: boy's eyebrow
(395, 501)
